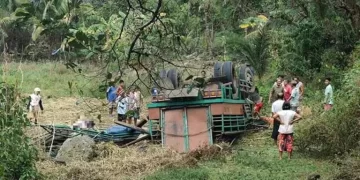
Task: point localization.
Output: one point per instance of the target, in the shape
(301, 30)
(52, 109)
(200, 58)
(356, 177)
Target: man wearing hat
(35, 103)
(111, 96)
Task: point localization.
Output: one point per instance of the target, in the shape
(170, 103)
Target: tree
(17, 154)
(254, 48)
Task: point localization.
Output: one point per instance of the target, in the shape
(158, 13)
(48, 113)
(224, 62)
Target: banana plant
(45, 14)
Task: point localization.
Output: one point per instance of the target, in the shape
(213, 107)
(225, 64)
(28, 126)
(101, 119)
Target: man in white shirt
(35, 104)
(287, 118)
(275, 107)
(328, 102)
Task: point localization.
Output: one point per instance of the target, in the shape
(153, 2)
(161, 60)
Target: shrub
(17, 154)
(336, 131)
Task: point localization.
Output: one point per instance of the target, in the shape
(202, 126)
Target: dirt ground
(67, 110)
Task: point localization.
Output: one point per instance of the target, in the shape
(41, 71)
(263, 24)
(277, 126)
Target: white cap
(37, 90)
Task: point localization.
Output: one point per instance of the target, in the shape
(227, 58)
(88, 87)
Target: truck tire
(228, 70)
(163, 73)
(246, 74)
(174, 77)
(218, 69)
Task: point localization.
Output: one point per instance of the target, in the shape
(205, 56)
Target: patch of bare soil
(67, 110)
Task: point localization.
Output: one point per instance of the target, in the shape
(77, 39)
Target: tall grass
(52, 78)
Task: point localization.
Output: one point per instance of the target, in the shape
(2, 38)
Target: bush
(336, 131)
(17, 154)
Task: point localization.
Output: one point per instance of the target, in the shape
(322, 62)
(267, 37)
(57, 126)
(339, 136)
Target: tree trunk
(207, 26)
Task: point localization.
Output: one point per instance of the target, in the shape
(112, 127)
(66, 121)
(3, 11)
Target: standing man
(299, 85)
(138, 102)
(122, 107)
(287, 90)
(275, 108)
(121, 89)
(277, 89)
(281, 78)
(35, 103)
(328, 102)
(287, 118)
(295, 95)
(111, 96)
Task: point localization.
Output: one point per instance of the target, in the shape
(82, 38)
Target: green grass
(52, 78)
(255, 157)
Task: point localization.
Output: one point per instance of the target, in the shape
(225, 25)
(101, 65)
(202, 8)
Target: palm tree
(255, 46)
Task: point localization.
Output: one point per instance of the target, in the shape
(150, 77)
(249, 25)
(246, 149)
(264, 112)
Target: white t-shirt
(123, 104)
(35, 99)
(277, 106)
(286, 116)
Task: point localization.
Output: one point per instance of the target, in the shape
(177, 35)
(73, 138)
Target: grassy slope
(52, 78)
(255, 157)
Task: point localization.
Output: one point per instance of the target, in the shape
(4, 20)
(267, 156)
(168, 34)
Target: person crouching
(34, 104)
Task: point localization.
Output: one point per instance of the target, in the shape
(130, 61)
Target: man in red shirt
(287, 90)
(120, 91)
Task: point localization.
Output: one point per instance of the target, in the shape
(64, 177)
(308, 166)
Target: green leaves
(22, 12)
(21, 2)
(37, 32)
(17, 154)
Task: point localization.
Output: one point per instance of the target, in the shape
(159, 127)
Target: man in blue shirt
(111, 96)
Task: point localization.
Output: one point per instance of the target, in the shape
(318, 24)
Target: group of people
(118, 99)
(127, 103)
(285, 98)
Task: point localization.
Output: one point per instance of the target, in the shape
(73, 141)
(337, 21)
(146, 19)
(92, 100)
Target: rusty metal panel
(182, 93)
(154, 113)
(198, 127)
(173, 136)
(227, 109)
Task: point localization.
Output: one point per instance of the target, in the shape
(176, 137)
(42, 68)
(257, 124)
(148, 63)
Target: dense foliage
(17, 154)
(302, 37)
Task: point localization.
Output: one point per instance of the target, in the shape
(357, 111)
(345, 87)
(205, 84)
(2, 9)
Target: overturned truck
(186, 117)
